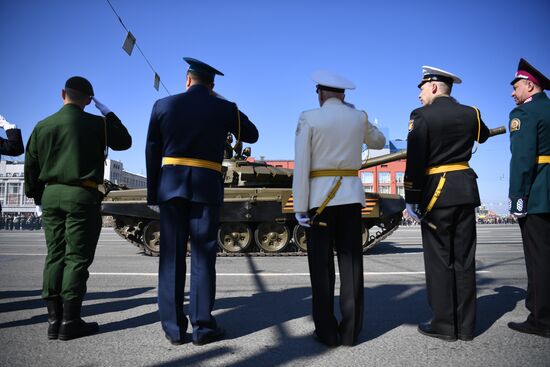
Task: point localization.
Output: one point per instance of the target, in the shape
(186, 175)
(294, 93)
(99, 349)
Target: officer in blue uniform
(185, 147)
(530, 190)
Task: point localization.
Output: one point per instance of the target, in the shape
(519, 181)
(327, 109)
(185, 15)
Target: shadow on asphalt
(385, 248)
(492, 307)
(387, 307)
(87, 309)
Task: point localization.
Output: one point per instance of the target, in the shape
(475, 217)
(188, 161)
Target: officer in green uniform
(64, 165)
(530, 190)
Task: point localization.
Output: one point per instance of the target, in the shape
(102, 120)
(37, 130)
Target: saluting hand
(5, 124)
(101, 107)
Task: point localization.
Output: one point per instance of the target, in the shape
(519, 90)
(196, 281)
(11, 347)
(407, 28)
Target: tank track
(386, 229)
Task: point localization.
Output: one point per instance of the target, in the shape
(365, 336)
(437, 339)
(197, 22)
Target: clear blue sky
(268, 50)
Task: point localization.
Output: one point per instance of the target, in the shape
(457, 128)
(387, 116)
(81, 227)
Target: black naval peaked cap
(201, 67)
(432, 74)
(80, 84)
(528, 72)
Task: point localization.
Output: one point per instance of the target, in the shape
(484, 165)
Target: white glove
(412, 209)
(154, 208)
(519, 215)
(101, 107)
(303, 219)
(5, 124)
(39, 210)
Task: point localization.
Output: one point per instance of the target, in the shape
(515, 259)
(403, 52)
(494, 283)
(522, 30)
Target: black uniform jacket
(193, 124)
(13, 145)
(443, 132)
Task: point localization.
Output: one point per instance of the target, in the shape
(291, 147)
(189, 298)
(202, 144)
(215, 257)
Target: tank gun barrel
(402, 154)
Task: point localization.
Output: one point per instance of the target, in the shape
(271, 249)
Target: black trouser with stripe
(449, 260)
(535, 231)
(343, 233)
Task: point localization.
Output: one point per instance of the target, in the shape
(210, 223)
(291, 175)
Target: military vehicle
(257, 216)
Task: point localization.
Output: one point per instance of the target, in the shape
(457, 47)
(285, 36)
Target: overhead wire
(139, 49)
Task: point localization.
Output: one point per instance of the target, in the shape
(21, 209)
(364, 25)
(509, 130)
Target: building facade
(385, 178)
(12, 186)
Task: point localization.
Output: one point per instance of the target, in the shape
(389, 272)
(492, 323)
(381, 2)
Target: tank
(257, 216)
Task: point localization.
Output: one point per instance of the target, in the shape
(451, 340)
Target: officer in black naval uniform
(185, 148)
(441, 191)
(13, 145)
(530, 190)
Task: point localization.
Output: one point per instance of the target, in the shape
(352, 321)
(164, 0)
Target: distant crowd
(27, 221)
(407, 221)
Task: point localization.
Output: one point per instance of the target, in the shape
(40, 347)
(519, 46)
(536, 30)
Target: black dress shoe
(211, 337)
(466, 337)
(330, 344)
(426, 329)
(174, 342)
(528, 328)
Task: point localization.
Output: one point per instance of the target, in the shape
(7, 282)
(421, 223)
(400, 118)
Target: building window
(401, 191)
(384, 189)
(399, 177)
(13, 193)
(368, 188)
(2, 192)
(366, 178)
(383, 177)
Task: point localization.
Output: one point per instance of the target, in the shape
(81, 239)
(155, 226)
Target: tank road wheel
(234, 237)
(365, 234)
(151, 238)
(299, 236)
(272, 236)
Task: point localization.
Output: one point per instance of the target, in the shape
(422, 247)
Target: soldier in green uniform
(64, 164)
(530, 190)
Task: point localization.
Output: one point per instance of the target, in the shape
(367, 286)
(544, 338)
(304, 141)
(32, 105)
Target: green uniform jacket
(68, 147)
(529, 138)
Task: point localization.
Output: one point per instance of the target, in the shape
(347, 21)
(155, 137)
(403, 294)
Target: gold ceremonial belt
(447, 168)
(84, 183)
(333, 173)
(192, 162)
(444, 168)
(541, 159)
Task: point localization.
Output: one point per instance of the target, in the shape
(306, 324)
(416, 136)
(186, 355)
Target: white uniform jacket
(331, 137)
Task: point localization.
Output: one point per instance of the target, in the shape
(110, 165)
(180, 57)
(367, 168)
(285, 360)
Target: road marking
(276, 274)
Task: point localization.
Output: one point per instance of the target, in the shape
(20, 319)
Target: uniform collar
(198, 88)
(71, 106)
(540, 95)
(332, 101)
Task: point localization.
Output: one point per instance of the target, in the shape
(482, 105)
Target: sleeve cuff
(518, 205)
(413, 196)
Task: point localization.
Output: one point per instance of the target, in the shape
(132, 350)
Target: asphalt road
(264, 304)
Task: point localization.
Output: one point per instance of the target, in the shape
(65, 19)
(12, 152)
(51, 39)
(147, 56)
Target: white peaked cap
(329, 79)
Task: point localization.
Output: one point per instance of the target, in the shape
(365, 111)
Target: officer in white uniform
(328, 197)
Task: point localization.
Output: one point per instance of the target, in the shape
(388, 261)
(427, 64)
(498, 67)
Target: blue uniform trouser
(180, 220)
